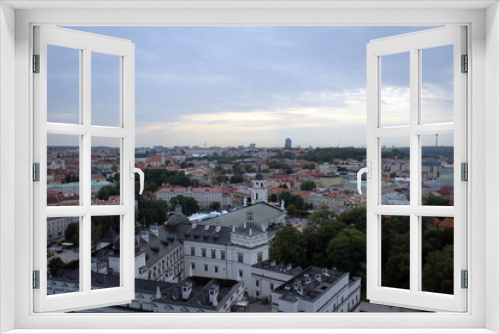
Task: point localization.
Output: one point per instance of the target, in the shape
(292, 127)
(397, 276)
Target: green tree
(436, 201)
(103, 194)
(347, 250)
(356, 217)
(237, 178)
(107, 191)
(437, 275)
(289, 246)
(291, 210)
(55, 265)
(153, 211)
(72, 233)
(307, 185)
(215, 206)
(188, 204)
(100, 225)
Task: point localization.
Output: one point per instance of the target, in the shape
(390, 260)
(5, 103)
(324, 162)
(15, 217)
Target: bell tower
(259, 189)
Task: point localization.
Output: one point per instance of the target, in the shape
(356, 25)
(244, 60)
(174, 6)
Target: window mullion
(86, 175)
(414, 168)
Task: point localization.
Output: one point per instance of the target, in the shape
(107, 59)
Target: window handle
(368, 172)
(139, 171)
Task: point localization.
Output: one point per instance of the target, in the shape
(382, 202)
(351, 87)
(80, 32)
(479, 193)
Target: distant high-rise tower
(288, 144)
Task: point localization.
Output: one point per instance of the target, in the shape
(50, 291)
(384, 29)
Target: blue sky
(240, 85)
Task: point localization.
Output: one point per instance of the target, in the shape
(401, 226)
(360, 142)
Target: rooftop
(262, 214)
(313, 282)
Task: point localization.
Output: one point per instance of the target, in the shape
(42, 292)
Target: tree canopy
(307, 185)
(188, 204)
(289, 246)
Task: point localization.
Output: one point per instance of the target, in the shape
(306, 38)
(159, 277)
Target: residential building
(318, 290)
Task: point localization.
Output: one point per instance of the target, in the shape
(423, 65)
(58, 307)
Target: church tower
(259, 189)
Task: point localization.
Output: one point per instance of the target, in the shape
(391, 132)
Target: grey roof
(171, 293)
(314, 289)
(262, 214)
(220, 235)
(278, 267)
(158, 247)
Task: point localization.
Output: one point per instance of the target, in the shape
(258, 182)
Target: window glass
(395, 170)
(63, 256)
(63, 85)
(105, 245)
(438, 169)
(63, 170)
(396, 252)
(437, 85)
(395, 90)
(106, 101)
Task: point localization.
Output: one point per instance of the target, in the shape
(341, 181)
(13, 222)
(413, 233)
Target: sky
(229, 86)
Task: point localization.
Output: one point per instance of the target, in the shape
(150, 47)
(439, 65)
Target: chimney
(187, 287)
(282, 205)
(158, 293)
(325, 272)
(250, 232)
(178, 209)
(154, 229)
(145, 235)
(213, 294)
(234, 229)
(245, 201)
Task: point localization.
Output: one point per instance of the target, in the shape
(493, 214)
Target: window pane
(63, 242)
(63, 170)
(395, 90)
(437, 85)
(395, 171)
(105, 171)
(396, 252)
(437, 169)
(105, 89)
(63, 85)
(105, 238)
(437, 254)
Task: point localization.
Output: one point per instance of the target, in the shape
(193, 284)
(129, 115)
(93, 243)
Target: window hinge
(36, 172)
(36, 63)
(464, 171)
(36, 279)
(465, 64)
(465, 279)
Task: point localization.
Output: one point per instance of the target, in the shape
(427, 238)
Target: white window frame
(413, 43)
(483, 19)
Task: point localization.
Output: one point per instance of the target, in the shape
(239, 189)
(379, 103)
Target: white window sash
(86, 43)
(415, 297)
